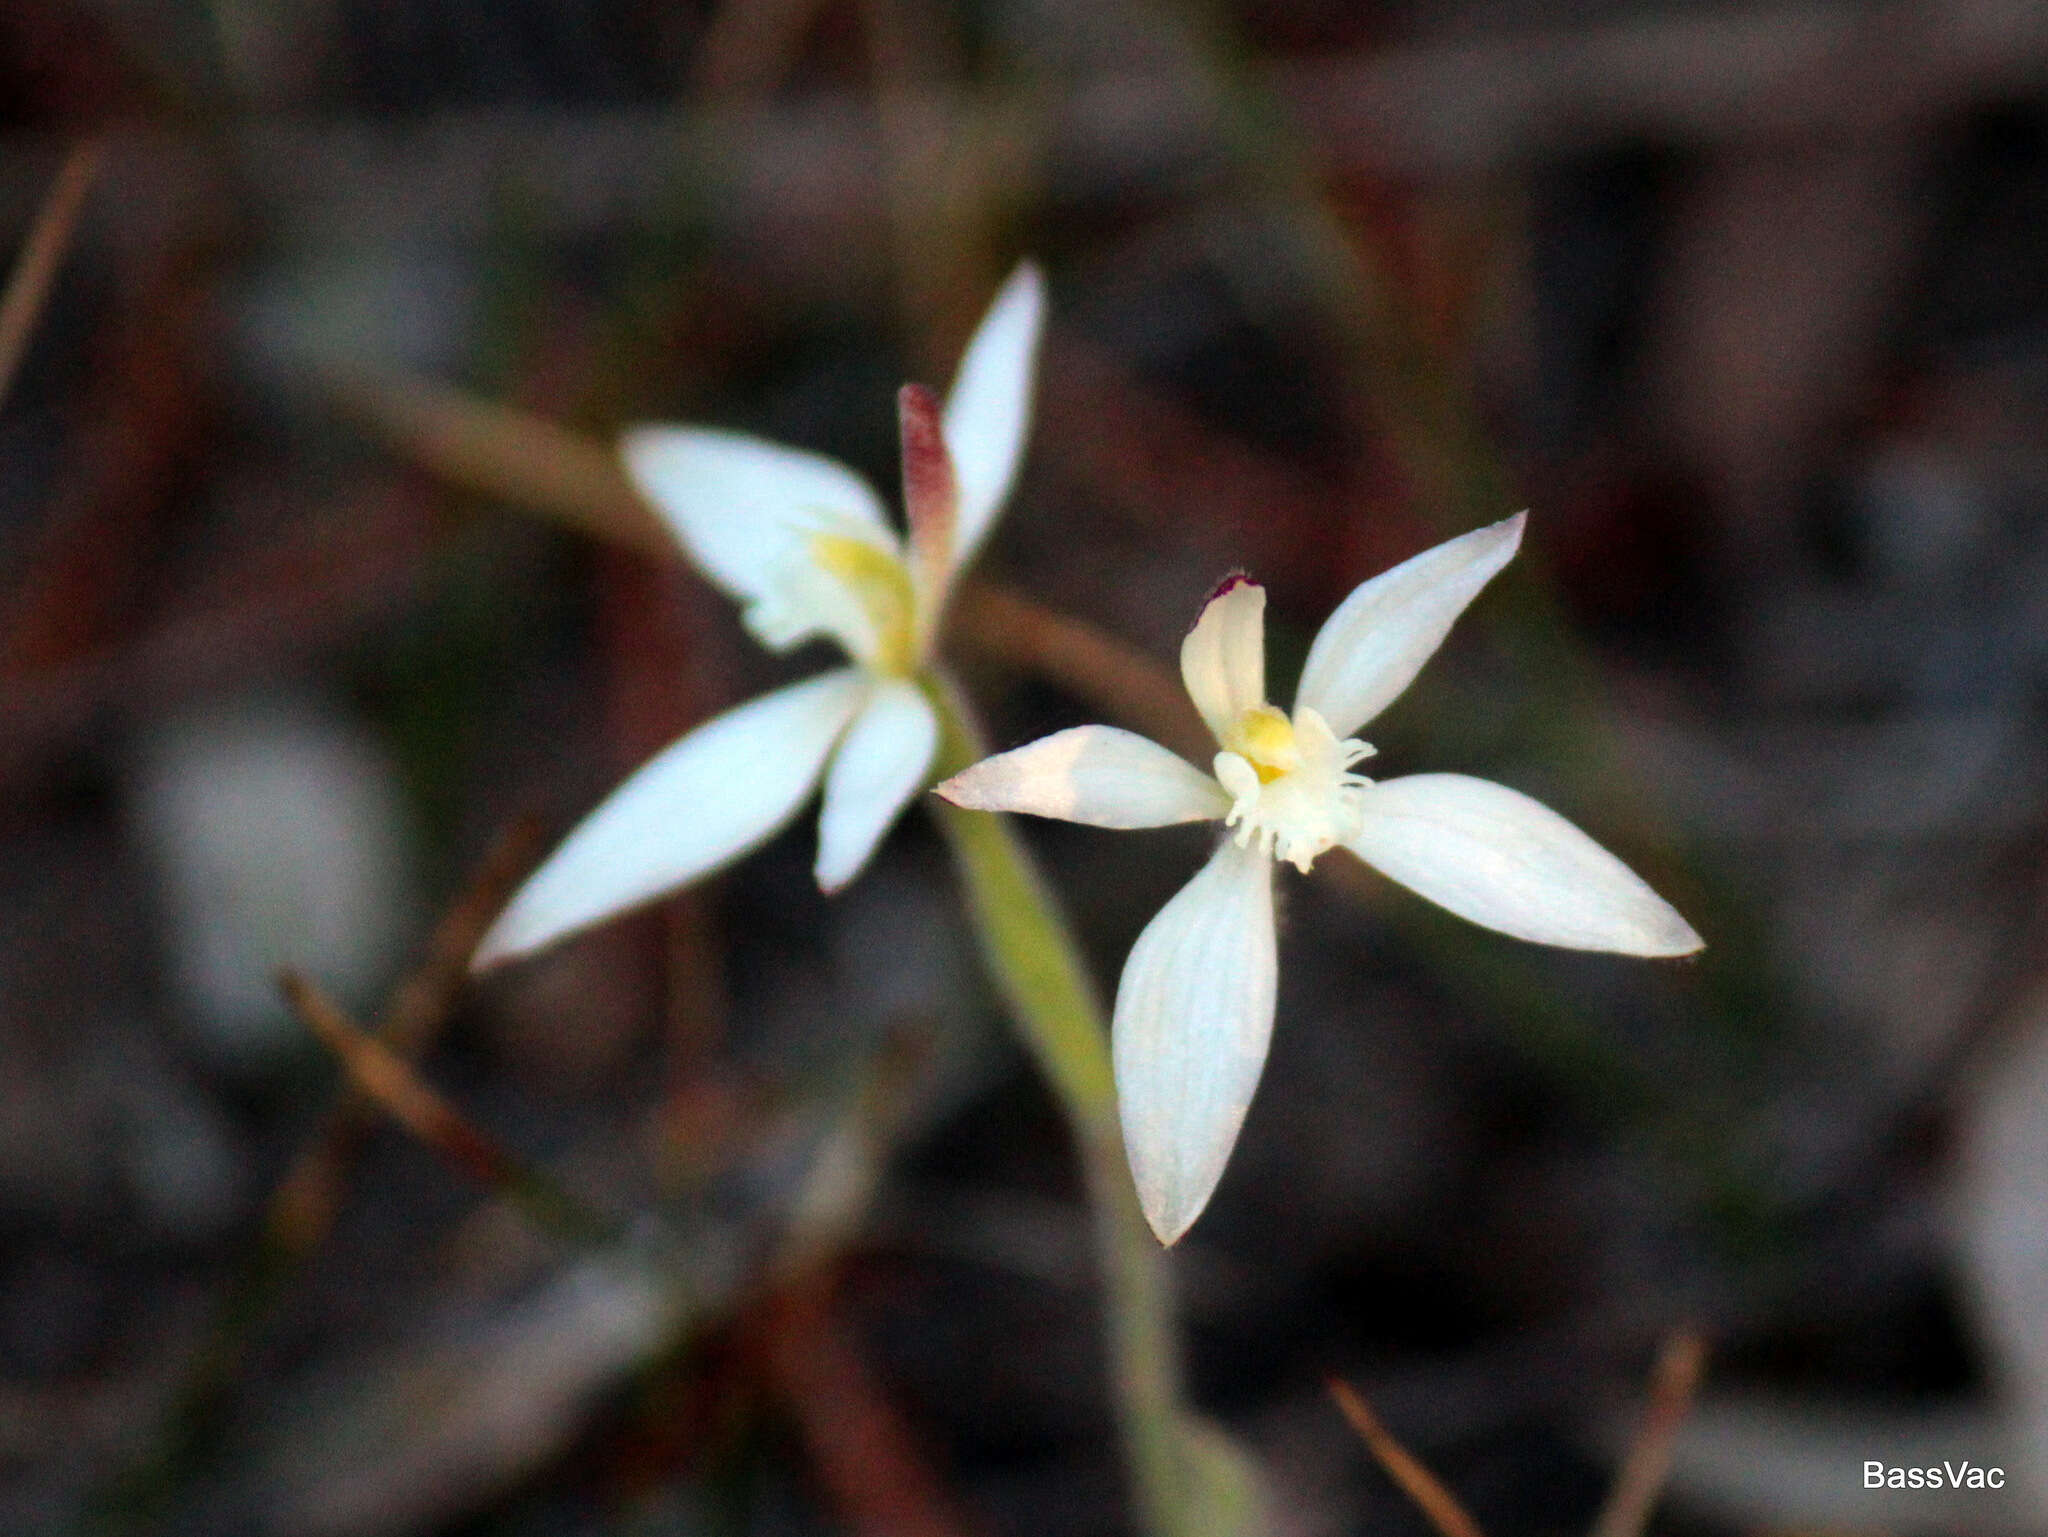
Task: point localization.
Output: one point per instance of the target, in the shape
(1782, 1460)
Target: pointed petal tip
(501, 946)
(1024, 286)
(1168, 1226)
(1665, 935)
(978, 787)
(1173, 1206)
(973, 790)
(1680, 940)
(1229, 584)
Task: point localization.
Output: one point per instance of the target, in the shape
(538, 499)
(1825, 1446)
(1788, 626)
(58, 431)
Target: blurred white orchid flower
(1194, 1009)
(803, 542)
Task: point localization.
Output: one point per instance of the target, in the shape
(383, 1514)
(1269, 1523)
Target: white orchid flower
(803, 542)
(1194, 1009)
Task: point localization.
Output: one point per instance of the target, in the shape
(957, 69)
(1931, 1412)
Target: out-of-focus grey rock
(415, 1439)
(100, 1119)
(903, 958)
(1927, 514)
(178, 1167)
(279, 838)
(413, 308)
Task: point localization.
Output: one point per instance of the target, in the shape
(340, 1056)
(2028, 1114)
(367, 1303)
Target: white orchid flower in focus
(1194, 1009)
(804, 544)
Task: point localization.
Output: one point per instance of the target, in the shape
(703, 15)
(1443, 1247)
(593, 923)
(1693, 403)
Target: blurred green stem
(1038, 969)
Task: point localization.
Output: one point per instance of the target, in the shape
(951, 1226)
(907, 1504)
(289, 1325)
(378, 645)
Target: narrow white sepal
(1223, 658)
(703, 800)
(1371, 648)
(988, 413)
(1098, 775)
(743, 507)
(1194, 1015)
(1497, 857)
(882, 763)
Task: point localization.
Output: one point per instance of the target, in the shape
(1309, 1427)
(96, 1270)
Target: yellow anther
(1265, 738)
(879, 582)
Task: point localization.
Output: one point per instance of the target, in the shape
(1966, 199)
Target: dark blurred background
(1748, 303)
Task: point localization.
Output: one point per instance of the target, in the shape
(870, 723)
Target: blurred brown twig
(503, 452)
(35, 269)
(302, 1207)
(390, 1082)
(1673, 1382)
(1416, 1481)
(862, 1447)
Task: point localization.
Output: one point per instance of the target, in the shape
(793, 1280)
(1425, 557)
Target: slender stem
(1038, 969)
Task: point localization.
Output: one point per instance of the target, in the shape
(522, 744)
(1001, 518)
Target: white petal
(743, 506)
(1194, 1014)
(988, 413)
(701, 801)
(1495, 856)
(1093, 774)
(1223, 659)
(1371, 648)
(880, 765)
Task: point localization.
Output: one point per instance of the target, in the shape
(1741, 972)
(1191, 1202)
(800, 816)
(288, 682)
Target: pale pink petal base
(1097, 775)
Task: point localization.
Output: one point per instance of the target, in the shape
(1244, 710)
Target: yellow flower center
(880, 584)
(1290, 784)
(1264, 737)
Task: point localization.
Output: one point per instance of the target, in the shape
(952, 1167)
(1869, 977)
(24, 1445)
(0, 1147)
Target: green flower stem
(1038, 969)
